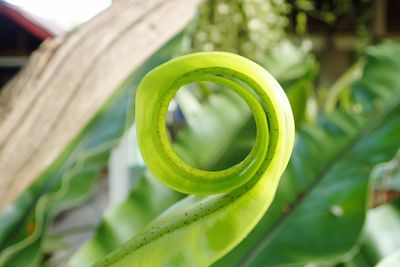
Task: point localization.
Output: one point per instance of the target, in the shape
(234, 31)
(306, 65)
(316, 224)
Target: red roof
(37, 26)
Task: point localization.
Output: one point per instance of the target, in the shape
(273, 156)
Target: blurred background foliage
(337, 204)
(250, 28)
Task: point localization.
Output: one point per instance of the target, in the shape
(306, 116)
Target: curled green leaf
(225, 205)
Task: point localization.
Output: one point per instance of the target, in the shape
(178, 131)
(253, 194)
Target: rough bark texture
(69, 78)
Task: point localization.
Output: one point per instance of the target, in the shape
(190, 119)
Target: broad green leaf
(71, 177)
(321, 202)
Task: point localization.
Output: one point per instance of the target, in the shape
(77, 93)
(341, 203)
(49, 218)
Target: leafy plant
(311, 189)
(341, 204)
(211, 225)
(219, 133)
(320, 206)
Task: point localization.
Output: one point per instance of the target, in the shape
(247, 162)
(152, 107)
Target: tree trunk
(69, 78)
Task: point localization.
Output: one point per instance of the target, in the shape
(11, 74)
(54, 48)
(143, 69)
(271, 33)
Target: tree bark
(69, 78)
